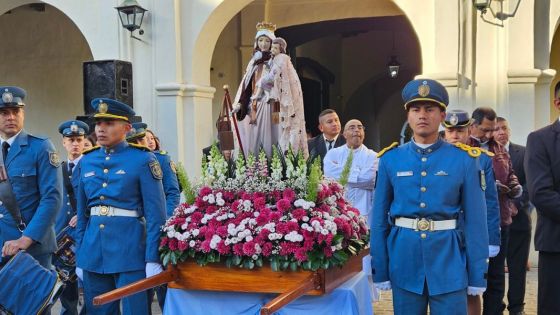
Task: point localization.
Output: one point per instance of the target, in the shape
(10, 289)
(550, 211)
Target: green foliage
(313, 180)
(346, 169)
(188, 190)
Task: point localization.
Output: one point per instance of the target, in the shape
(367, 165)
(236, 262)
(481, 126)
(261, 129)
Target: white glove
(80, 273)
(153, 269)
(493, 250)
(475, 291)
(236, 108)
(383, 286)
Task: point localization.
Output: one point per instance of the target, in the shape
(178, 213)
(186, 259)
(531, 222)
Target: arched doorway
(352, 46)
(44, 56)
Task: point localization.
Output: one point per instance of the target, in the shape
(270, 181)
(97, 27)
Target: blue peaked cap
(425, 90)
(72, 128)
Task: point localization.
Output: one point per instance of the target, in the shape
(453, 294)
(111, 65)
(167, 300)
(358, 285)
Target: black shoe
(517, 313)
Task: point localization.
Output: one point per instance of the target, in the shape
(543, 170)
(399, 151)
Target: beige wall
(50, 72)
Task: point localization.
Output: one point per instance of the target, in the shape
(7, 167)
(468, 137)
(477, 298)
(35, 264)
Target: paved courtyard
(385, 305)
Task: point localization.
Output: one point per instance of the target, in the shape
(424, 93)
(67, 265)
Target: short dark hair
(480, 113)
(557, 90)
(500, 119)
(326, 112)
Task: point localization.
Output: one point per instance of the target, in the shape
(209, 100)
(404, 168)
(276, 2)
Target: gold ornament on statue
(266, 26)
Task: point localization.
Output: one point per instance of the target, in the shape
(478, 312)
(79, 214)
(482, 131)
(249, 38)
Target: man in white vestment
(362, 172)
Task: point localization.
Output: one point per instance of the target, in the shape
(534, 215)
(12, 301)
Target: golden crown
(261, 26)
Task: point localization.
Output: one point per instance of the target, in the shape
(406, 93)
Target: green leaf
(316, 264)
(249, 264)
(165, 259)
(337, 239)
(229, 262)
(341, 255)
(285, 264)
(306, 265)
(236, 260)
(259, 262)
(173, 258)
(274, 265)
(294, 266)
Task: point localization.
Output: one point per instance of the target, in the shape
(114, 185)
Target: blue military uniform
(69, 297)
(170, 181)
(437, 189)
(32, 166)
(121, 208)
(461, 119)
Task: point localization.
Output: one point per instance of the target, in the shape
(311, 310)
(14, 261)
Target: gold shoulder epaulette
(393, 145)
(91, 149)
(141, 147)
(472, 151)
(490, 154)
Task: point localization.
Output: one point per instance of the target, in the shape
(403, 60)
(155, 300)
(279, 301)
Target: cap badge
(454, 119)
(424, 89)
(103, 108)
(73, 128)
(7, 97)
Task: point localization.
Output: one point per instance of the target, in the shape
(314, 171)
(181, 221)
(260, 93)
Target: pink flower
(301, 255)
(238, 249)
(205, 246)
(298, 213)
(283, 205)
(266, 249)
(222, 231)
(163, 241)
(204, 191)
(249, 248)
(223, 249)
(259, 203)
(196, 217)
(173, 244)
(183, 245)
(289, 194)
(327, 251)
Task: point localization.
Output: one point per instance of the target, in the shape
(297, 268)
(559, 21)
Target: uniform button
(67, 203)
(105, 171)
(68, 212)
(487, 260)
(102, 226)
(423, 235)
(418, 150)
(104, 185)
(102, 197)
(1, 203)
(422, 205)
(423, 189)
(423, 173)
(429, 150)
(424, 159)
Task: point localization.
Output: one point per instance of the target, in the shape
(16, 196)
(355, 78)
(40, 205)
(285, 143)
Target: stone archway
(45, 58)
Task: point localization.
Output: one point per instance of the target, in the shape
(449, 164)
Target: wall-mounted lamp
(486, 5)
(393, 67)
(131, 15)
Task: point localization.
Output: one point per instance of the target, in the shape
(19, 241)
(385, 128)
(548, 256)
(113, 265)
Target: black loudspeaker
(107, 78)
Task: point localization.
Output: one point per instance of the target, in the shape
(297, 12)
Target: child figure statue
(282, 89)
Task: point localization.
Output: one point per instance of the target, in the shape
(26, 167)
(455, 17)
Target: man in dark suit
(330, 137)
(519, 241)
(542, 167)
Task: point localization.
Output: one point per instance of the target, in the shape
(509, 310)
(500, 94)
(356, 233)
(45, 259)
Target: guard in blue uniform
(73, 138)
(429, 239)
(137, 135)
(457, 132)
(31, 169)
(121, 207)
(171, 189)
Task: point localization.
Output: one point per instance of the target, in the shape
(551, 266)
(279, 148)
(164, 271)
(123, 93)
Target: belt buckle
(104, 210)
(423, 225)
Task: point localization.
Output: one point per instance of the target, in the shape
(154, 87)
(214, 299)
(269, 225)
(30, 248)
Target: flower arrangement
(280, 211)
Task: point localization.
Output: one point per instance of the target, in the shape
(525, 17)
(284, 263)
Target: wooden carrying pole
(227, 99)
(166, 276)
(310, 283)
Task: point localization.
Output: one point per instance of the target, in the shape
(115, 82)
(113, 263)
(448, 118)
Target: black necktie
(330, 145)
(70, 167)
(5, 147)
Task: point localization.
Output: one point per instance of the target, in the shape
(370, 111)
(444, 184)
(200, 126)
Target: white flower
(192, 243)
(195, 232)
(255, 257)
